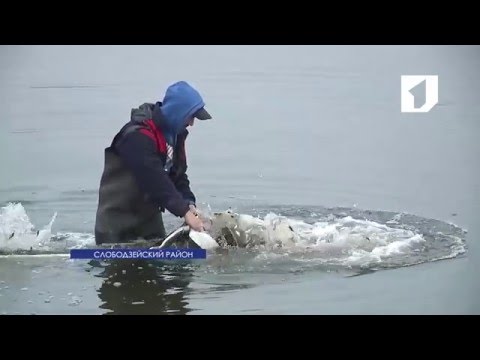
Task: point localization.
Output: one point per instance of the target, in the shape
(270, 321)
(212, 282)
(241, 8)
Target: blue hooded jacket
(180, 102)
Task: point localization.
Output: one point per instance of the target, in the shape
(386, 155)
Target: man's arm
(183, 186)
(140, 155)
(182, 182)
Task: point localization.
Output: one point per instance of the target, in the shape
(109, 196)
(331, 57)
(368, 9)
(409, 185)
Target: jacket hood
(180, 102)
(142, 113)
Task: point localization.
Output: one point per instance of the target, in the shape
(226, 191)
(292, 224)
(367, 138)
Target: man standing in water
(145, 170)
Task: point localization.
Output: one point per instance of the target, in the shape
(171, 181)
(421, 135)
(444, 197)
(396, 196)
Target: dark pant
(150, 230)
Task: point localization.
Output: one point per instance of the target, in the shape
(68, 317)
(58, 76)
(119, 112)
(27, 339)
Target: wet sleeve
(183, 185)
(182, 182)
(139, 153)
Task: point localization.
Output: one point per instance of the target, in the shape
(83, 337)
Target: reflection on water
(140, 287)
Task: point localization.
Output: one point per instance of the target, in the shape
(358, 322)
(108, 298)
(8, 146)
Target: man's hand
(194, 210)
(192, 220)
(206, 221)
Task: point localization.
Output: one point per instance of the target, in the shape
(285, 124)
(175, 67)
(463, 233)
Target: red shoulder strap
(156, 135)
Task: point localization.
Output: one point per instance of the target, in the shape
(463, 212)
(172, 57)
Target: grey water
(297, 130)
